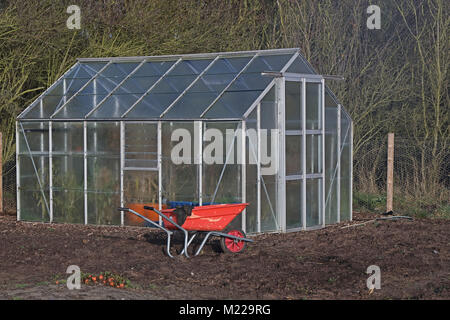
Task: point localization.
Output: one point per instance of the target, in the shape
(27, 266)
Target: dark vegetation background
(396, 77)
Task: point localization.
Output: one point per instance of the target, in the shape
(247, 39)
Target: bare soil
(330, 263)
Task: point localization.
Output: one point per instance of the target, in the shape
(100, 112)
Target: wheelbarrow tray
(209, 220)
(214, 217)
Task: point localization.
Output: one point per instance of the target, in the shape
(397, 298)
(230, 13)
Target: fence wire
(421, 176)
(9, 187)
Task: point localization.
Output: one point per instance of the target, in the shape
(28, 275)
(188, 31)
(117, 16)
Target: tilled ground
(330, 263)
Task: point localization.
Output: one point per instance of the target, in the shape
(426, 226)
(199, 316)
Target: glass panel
(114, 107)
(331, 153)
(269, 63)
(250, 81)
(73, 82)
(293, 111)
(117, 71)
(153, 68)
(313, 202)
(100, 86)
(299, 66)
(269, 217)
(208, 87)
(313, 106)
(220, 141)
(269, 155)
(74, 85)
(190, 67)
(32, 206)
(36, 134)
(68, 172)
(212, 83)
(168, 89)
(28, 178)
(96, 90)
(293, 204)
(172, 84)
(179, 172)
(67, 138)
(247, 88)
(34, 172)
(103, 144)
(232, 104)
(228, 66)
(345, 166)
(191, 105)
(79, 106)
(90, 68)
(103, 138)
(293, 155)
(140, 189)
(51, 101)
(251, 173)
(141, 145)
(136, 86)
(152, 106)
(313, 153)
(329, 100)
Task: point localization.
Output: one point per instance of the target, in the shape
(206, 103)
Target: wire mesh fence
(9, 187)
(421, 177)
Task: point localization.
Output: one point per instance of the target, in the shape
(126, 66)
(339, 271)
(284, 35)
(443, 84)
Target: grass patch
(422, 207)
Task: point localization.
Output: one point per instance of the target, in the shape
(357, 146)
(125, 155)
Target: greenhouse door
(140, 169)
(304, 133)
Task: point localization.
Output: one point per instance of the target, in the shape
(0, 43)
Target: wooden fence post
(1, 176)
(390, 173)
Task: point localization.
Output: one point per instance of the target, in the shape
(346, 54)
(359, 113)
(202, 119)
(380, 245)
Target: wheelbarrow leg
(168, 232)
(168, 244)
(189, 242)
(186, 237)
(203, 243)
(186, 234)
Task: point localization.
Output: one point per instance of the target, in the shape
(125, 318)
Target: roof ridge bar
(82, 88)
(194, 55)
(189, 86)
(229, 85)
(115, 89)
(151, 88)
(41, 96)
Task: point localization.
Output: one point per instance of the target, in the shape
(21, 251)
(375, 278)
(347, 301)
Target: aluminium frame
(277, 82)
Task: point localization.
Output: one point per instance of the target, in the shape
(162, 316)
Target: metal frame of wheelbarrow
(187, 240)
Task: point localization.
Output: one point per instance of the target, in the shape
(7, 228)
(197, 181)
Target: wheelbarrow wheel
(229, 245)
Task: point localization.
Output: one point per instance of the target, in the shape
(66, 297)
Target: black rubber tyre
(229, 245)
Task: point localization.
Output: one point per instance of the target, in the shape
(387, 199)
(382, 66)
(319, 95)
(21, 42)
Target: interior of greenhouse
(258, 127)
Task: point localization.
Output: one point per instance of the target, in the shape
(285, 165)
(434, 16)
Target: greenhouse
(257, 127)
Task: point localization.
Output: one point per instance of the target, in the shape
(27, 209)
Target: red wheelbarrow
(210, 220)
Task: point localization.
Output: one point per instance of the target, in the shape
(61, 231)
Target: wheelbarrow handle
(148, 208)
(122, 209)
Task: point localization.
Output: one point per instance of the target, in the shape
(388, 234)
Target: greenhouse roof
(212, 86)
